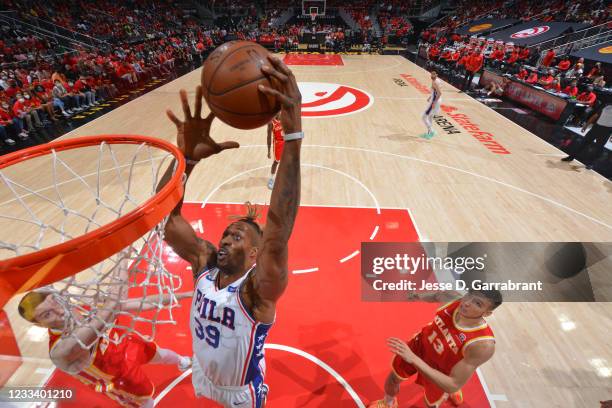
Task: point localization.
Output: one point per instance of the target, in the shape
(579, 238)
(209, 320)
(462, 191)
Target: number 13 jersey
(227, 342)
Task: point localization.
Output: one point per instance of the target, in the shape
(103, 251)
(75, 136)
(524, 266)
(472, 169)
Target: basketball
(230, 77)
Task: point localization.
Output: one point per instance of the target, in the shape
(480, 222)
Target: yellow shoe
(381, 404)
(456, 398)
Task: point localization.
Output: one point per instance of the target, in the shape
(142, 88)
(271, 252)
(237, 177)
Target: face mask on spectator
(27, 96)
(5, 106)
(70, 83)
(21, 100)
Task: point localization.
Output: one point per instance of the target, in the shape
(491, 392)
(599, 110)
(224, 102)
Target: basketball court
(368, 177)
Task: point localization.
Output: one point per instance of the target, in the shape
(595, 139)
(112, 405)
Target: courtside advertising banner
(600, 52)
(533, 32)
(485, 25)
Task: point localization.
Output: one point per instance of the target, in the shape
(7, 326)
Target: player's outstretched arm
(67, 353)
(270, 278)
(152, 301)
(193, 138)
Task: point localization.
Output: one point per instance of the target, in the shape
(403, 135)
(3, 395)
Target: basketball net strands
(89, 230)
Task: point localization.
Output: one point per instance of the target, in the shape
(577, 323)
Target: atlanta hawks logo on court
(326, 100)
(530, 32)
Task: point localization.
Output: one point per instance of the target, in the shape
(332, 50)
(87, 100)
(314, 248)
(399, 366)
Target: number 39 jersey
(227, 341)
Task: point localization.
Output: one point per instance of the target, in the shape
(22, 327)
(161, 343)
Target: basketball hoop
(84, 212)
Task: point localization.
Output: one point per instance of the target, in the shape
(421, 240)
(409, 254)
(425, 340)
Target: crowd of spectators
(590, 12)
(462, 57)
(106, 20)
(43, 82)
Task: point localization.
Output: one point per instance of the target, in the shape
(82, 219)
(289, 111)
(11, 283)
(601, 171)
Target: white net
(54, 198)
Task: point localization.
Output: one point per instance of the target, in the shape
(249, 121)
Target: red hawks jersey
(277, 131)
(444, 342)
(115, 368)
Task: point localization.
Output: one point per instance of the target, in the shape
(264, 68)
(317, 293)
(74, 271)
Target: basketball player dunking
(433, 108)
(275, 135)
(238, 284)
(112, 369)
(446, 352)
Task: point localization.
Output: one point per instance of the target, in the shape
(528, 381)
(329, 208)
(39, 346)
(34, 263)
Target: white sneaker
(9, 142)
(23, 134)
(184, 363)
(271, 183)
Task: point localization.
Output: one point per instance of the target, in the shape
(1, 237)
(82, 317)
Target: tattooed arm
(270, 279)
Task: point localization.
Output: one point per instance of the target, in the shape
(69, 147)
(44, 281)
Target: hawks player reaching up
(446, 352)
(238, 285)
(113, 369)
(275, 128)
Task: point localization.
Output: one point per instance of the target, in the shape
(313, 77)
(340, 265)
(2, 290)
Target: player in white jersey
(238, 285)
(433, 108)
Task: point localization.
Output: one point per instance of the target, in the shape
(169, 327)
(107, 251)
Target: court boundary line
(459, 91)
(319, 166)
(323, 365)
(486, 390)
(273, 346)
(490, 179)
(171, 386)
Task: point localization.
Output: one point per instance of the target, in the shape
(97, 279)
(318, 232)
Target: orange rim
(93, 247)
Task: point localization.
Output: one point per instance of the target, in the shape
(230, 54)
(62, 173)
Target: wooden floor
(457, 190)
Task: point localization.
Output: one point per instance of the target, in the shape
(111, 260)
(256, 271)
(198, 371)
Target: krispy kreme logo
(530, 32)
(480, 27)
(327, 100)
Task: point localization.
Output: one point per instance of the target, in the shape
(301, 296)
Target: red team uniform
(441, 345)
(277, 140)
(116, 368)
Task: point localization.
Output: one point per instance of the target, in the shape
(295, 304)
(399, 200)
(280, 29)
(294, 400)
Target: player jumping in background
(109, 368)
(238, 284)
(275, 128)
(446, 352)
(434, 105)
